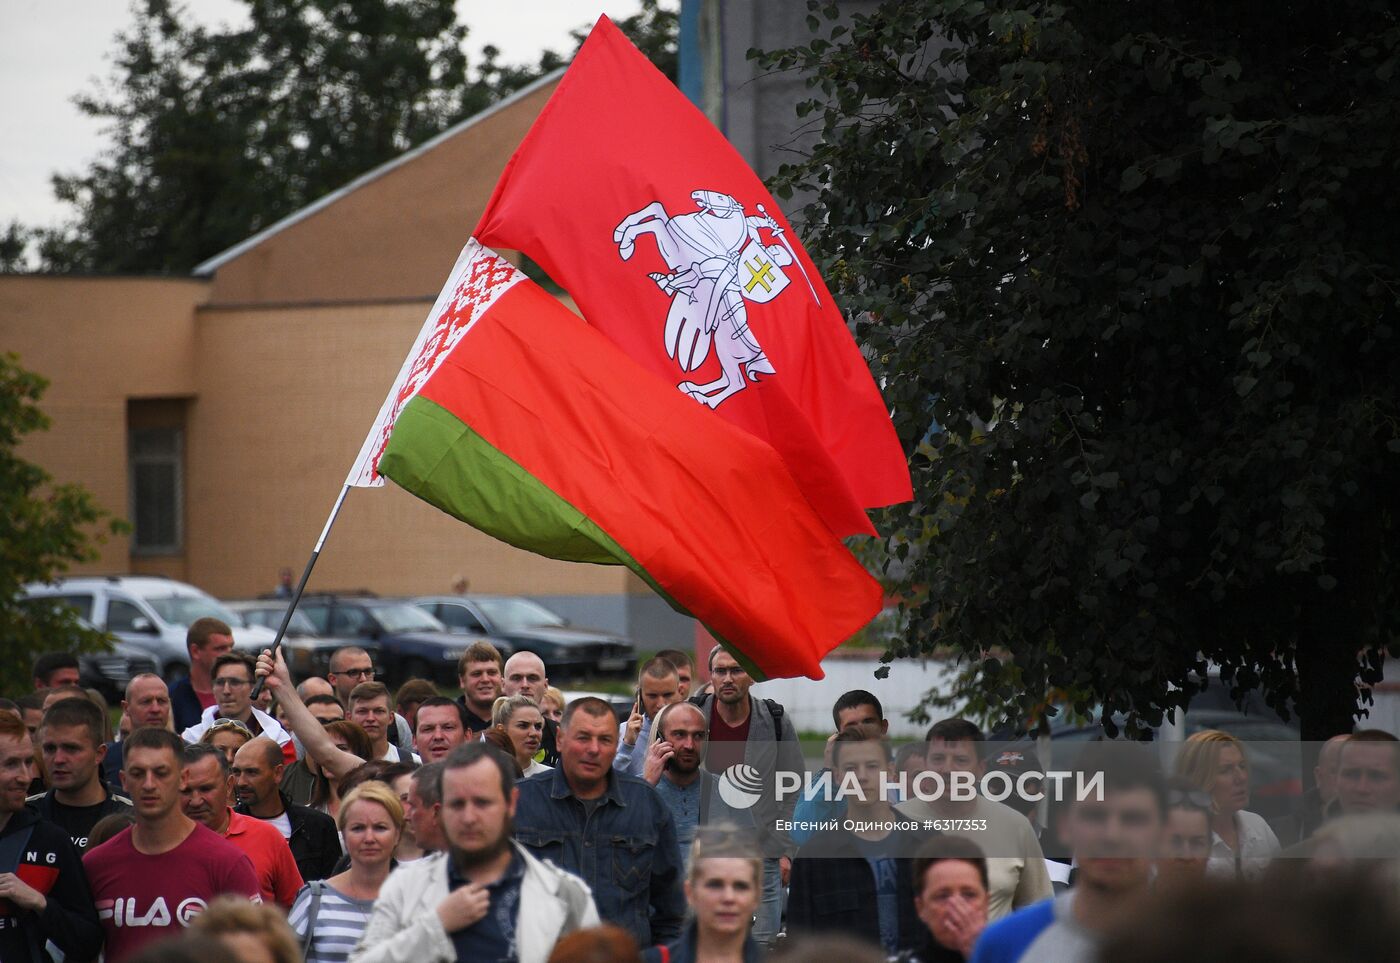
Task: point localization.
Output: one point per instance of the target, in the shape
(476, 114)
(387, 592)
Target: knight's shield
(760, 279)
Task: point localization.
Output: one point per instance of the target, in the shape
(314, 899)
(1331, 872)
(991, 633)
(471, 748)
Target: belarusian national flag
(515, 416)
(673, 248)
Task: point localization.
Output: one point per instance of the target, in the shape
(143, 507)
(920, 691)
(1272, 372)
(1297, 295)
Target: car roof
(136, 584)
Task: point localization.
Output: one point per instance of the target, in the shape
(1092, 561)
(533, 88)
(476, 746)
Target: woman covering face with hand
(950, 896)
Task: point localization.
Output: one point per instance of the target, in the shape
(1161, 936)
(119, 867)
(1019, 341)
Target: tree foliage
(217, 133)
(1128, 273)
(43, 529)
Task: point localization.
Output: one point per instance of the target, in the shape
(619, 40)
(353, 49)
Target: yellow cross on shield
(760, 279)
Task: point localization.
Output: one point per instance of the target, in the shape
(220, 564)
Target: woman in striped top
(330, 915)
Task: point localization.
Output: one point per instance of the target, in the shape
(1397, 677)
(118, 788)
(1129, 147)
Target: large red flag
(672, 247)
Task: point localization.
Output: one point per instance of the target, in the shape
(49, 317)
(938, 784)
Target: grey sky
(53, 49)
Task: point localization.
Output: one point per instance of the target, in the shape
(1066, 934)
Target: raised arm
(334, 761)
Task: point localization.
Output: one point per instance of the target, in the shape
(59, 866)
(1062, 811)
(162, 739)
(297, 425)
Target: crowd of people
(334, 820)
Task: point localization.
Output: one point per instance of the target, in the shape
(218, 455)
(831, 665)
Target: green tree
(1128, 273)
(43, 529)
(215, 134)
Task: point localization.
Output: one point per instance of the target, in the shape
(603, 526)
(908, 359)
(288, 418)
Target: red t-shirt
(206, 699)
(276, 870)
(726, 742)
(141, 899)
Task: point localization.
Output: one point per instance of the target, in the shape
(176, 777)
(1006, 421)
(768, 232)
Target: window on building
(157, 490)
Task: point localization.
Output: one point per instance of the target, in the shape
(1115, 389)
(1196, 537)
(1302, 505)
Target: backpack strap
(776, 710)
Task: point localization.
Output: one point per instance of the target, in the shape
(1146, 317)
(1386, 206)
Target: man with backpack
(755, 733)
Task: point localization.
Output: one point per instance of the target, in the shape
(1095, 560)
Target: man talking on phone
(658, 685)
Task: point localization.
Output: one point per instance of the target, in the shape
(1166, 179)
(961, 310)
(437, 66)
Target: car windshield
(510, 614)
(402, 617)
(185, 609)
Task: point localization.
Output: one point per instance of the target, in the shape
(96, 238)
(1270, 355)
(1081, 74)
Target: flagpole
(301, 586)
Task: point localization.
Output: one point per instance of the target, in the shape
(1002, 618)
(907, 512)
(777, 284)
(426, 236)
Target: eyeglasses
(227, 683)
(727, 673)
(364, 673)
(1192, 798)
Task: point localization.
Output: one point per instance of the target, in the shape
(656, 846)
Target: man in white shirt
(1015, 863)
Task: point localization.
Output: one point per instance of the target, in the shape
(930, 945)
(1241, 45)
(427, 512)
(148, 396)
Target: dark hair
(107, 827)
(457, 707)
(414, 691)
(941, 848)
(187, 948)
(50, 662)
(346, 650)
(677, 658)
(76, 712)
(469, 754)
(480, 652)
(149, 737)
(856, 735)
(428, 781)
(197, 752)
(371, 690)
(324, 699)
(9, 705)
(201, 629)
(356, 737)
(903, 753)
(853, 699)
(955, 730)
(372, 771)
(234, 658)
(394, 770)
(590, 706)
(32, 700)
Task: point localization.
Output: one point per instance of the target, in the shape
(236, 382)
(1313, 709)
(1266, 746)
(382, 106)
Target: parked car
(149, 612)
(527, 626)
(621, 704)
(412, 644)
(307, 651)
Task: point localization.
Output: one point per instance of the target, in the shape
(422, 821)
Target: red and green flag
(672, 247)
(515, 416)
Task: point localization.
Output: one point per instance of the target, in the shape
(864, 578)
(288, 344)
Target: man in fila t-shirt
(151, 880)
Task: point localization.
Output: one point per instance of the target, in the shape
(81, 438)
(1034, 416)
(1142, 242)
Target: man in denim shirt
(607, 827)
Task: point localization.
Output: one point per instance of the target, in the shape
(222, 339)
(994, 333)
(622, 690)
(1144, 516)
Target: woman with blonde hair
(227, 736)
(523, 724)
(723, 888)
(254, 932)
(1242, 844)
(329, 916)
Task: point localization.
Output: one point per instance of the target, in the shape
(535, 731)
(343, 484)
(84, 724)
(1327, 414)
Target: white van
(150, 612)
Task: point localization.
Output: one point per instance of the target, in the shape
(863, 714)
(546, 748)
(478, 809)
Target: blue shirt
(625, 849)
(698, 804)
(491, 939)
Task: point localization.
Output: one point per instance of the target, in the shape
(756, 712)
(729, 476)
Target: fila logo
(122, 911)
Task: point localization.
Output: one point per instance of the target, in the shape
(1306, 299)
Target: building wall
(100, 342)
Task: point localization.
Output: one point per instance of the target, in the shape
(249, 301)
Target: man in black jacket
(858, 881)
(311, 835)
(44, 895)
(70, 739)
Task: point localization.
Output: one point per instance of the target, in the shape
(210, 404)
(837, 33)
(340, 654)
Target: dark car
(109, 672)
(527, 626)
(307, 651)
(412, 644)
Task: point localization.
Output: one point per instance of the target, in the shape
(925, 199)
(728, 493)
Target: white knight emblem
(717, 261)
